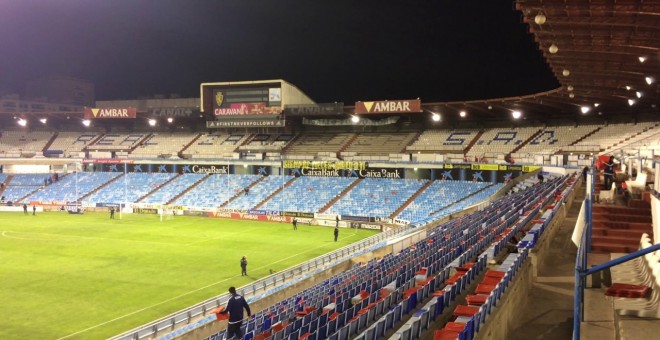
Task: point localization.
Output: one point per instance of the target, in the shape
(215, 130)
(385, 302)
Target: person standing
(609, 173)
(336, 233)
(337, 221)
(235, 307)
(585, 171)
(34, 210)
(244, 266)
(112, 213)
(540, 177)
(295, 224)
(25, 209)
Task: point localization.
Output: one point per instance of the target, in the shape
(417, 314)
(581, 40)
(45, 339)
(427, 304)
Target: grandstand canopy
(597, 60)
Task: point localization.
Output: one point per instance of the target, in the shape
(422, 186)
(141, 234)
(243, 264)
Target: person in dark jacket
(244, 266)
(25, 209)
(235, 307)
(295, 224)
(336, 233)
(609, 173)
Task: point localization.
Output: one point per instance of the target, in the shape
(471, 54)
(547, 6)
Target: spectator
(585, 171)
(608, 173)
(244, 266)
(540, 177)
(235, 307)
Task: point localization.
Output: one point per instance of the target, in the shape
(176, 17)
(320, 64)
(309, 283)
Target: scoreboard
(241, 100)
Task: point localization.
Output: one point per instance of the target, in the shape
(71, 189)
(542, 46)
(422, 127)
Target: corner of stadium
(527, 217)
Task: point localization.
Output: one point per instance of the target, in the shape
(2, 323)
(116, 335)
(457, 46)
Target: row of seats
(131, 187)
(22, 185)
(370, 299)
(72, 187)
(216, 190)
(308, 194)
(170, 190)
(259, 192)
(162, 144)
(441, 194)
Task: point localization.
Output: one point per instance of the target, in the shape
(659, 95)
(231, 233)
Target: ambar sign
(389, 106)
(97, 113)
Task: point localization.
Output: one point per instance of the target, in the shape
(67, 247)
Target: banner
(209, 169)
(324, 109)
(343, 122)
(324, 165)
(101, 113)
(174, 112)
(244, 123)
(241, 109)
(389, 106)
(297, 214)
(264, 212)
(359, 173)
(251, 217)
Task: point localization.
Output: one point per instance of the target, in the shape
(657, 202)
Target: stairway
(618, 229)
(180, 153)
(288, 145)
(240, 193)
(50, 142)
(188, 189)
(411, 142)
(474, 141)
(411, 199)
(246, 141)
(157, 188)
(527, 141)
(139, 143)
(102, 186)
(275, 193)
(346, 145)
(6, 182)
(585, 136)
(341, 194)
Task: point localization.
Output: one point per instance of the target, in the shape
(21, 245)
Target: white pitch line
(4, 233)
(184, 294)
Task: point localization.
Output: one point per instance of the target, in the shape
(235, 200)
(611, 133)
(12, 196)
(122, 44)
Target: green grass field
(88, 277)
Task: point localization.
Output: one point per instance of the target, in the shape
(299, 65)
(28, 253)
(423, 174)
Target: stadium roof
(601, 52)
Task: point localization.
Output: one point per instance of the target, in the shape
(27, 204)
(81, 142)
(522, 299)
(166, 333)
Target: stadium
(525, 217)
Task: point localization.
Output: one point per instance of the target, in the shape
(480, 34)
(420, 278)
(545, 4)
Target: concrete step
(627, 241)
(607, 247)
(623, 218)
(618, 209)
(645, 227)
(615, 232)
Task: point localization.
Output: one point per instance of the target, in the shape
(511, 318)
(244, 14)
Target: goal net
(166, 213)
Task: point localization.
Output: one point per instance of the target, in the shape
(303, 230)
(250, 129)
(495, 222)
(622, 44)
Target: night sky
(340, 50)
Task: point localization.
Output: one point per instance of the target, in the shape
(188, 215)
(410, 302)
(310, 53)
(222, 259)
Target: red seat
(438, 293)
(452, 280)
(468, 311)
(495, 273)
(304, 336)
(455, 326)
(476, 300)
(444, 334)
(484, 289)
(628, 291)
(488, 280)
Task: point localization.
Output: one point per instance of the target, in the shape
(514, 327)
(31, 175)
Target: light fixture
(435, 117)
(462, 114)
(355, 119)
(516, 114)
(86, 122)
(649, 80)
(43, 120)
(570, 87)
(642, 59)
(539, 19)
(631, 102)
(638, 94)
(170, 119)
(628, 87)
(566, 73)
(152, 122)
(553, 49)
(585, 109)
(22, 122)
(596, 104)
(490, 107)
(571, 95)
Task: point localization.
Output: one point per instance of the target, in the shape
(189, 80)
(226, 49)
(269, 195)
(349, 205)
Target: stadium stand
(172, 189)
(72, 187)
(553, 139)
(438, 196)
(267, 142)
(22, 185)
(113, 141)
(128, 190)
(454, 141)
(377, 144)
(72, 143)
(259, 192)
(162, 145)
(308, 194)
(23, 143)
(387, 296)
(215, 145)
(216, 190)
(499, 141)
(376, 197)
(308, 146)
(612, 134)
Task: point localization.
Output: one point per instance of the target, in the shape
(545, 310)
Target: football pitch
(88, 277)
